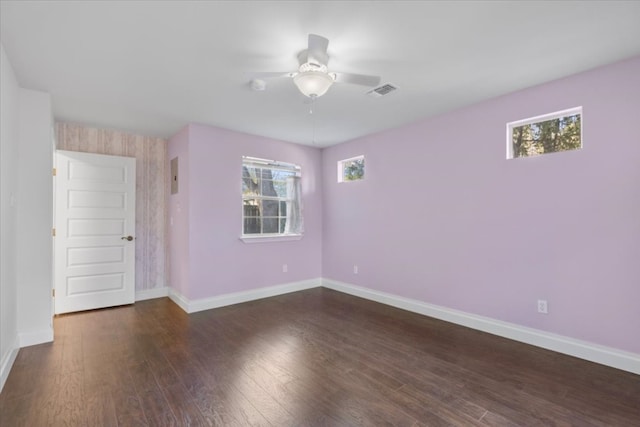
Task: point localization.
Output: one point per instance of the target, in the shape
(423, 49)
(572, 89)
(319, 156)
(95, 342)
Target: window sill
(267, 239)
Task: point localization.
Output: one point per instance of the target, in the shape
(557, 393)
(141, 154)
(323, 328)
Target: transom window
(550, 133)
(351, 169)
(271, 198)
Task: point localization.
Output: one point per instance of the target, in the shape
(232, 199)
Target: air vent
(382, 90)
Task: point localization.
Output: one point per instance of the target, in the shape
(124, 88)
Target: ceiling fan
(313, 78)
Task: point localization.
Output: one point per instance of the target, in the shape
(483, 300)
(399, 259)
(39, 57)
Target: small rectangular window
(271, 198)
(550, 133)
(351, 169)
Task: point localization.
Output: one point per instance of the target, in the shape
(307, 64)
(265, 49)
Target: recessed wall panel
(174, 175)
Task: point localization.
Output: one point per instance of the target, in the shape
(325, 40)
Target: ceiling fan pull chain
(313, 102)
(313, 120)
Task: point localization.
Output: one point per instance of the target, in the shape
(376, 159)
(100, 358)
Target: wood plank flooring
(311, 358)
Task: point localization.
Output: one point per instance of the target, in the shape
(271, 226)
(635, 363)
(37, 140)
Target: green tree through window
(270, 200)
(549, 134)
(351, 169)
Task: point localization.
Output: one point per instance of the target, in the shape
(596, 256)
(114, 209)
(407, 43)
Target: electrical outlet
(355, 269)
(542, 306)
(285, 268)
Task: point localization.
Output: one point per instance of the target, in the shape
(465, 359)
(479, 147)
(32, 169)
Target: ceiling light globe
(313, 83)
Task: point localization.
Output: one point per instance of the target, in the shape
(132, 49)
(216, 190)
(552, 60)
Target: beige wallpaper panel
(151, 190)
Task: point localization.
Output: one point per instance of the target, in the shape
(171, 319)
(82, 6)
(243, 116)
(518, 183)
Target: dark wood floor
(309, 358)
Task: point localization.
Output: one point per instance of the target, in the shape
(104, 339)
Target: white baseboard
(7, 362)
(180, 300)
(34, 338)
(152, 293)
(239, 297)
(584, 350)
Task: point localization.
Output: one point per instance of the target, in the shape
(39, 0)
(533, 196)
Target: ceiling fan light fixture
(313, 83)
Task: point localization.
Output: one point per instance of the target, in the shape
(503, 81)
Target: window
(560, 131)
(271, 198)
(351, 169)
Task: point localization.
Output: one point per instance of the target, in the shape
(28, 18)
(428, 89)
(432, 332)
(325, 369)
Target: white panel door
(95, 231)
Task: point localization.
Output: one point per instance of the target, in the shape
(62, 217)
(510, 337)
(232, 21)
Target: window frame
(539, 119)
(256, 162)
(341, 167)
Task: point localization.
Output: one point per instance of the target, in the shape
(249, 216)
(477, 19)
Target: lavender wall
(218, 261)
(178, 211)
(444, 218)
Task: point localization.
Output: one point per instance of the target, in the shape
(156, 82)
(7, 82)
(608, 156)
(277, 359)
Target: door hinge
(53, 293)
(54, 171)
(53, 232)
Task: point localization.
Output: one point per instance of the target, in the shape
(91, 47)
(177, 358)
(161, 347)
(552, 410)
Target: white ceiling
(152, 67)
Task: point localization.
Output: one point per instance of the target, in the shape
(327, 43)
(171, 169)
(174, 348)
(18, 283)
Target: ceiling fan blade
(357, 79)
(269, 75)
(317, 50)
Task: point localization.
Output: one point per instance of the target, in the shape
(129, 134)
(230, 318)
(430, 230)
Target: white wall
(26, 209)
(9, 106)
(35, 207)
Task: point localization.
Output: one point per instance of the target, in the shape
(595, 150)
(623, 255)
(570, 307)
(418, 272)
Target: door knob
(129, 238)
